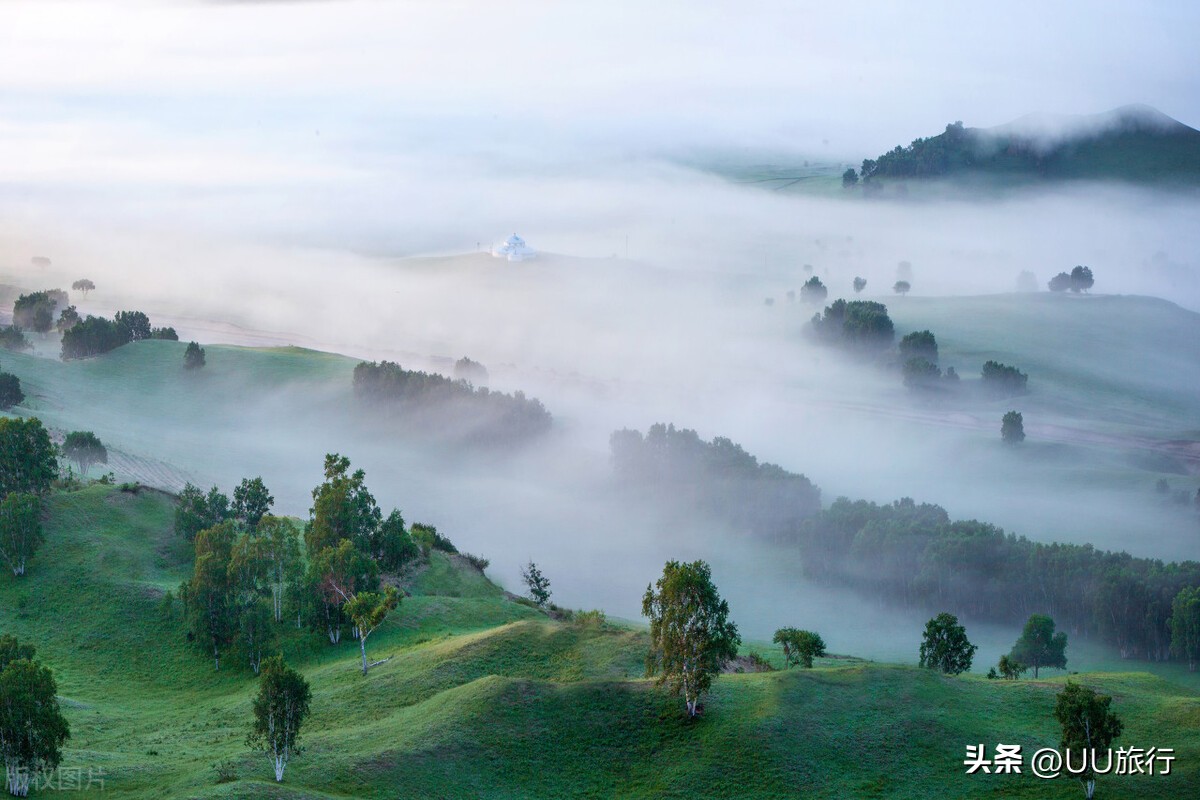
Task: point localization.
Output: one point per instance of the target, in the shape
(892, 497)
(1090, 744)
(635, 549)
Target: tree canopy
(799, 647)
(813, 291)
(280, 708)
(32, 726)
(945, 646)
(1012, 427)
(85, 449)
(1088, 726)
(1039, 646)
(27, 456)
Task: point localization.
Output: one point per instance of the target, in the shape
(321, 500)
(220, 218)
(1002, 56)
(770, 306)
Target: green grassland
(486, 697)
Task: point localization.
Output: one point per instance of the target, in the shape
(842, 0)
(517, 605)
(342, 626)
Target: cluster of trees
(193, 356)
(1079, 280)
(32, 726)
(470, 371)
(718, 477)
(94, 336)
(10, 391)
(35, 311)
(859, 323)
(813, 291)
(476, 415)
(85, 449)
(28, 467)
(13, 338)
(919, 356)
(1003, 380)
(914, 555)
(925, 157)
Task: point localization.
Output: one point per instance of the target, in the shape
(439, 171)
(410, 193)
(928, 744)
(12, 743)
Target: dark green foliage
(193, 356)
(813, 291)
(196, 510)
(83, 285)
(919, 344)
(691, 636)
(430, 402)
(470, 371)
(251, 501)
(902, 287)
(85, 449)
(945, 645)
(20, 530)
(537, 583)
(280, 708)
(849, 178)
(11, 650)
(68, 319)
(136, 322)
(343, 509)
(211, 600)
(1185, 626)
(335, 575)
(92, 337)
(1088, 726)
(859, 285)
(1010, 668)
(1039, 646)
(930, 157)
(1001, 379)
(799, 647)
(920, 373)
(914, 556)
(392, 546)
(11, 338)
(1012, 427)
(428, 538)
(1060, 282)
(167, 334)
(35, 311)
(27, 457)
(675, 465)
(862, 323)
(10, 391)
(32, 727)
(1081, 279)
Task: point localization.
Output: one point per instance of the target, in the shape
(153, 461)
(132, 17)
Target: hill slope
(487, 698)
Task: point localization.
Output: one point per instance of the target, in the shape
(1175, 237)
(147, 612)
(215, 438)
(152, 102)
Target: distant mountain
(1132, 143)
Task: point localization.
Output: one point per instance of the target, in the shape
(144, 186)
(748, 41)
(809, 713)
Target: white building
(514, 249)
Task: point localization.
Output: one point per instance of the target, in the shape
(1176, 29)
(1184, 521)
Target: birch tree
(20, 530)
(279, 711)
(690, 632)
(368, 610)
(281, 553)
(32, 727)
(210, 596)
(1088, 726)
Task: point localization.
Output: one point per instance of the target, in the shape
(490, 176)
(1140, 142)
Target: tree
(32, 726)
(799, 647)
(1001, 379)
(1088, 726)
(92, 337)
(1185, 625)
(193, 356)
(539, 584)
(368, 610)
(20, 529)
(1081, 279)
(859, 285)
(1039, 646)
(11, 338)
(210, 595)
(83, 285)
(919, 344)
(691, 636)
(195, 510)
(136, 322)
(1012, 428)
(279, 711)
(342, 508)
(281, 553)
(849, 178)
(1060, 282)
(35, 311)
(1010, 668)
(902, 287)
(335, 574)
(251, 501)
(392, 546)
(68, 319)
(10, 391)
(920, 373)
(27, 456)
(813, 291)
(84, 449)
(945, 645)
(248, 589)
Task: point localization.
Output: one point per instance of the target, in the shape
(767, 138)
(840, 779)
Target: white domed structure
(514, 249)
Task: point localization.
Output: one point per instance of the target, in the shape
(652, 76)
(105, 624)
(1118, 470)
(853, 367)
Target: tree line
(95, 336)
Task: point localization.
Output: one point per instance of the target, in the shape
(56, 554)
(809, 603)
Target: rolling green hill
(486, 697)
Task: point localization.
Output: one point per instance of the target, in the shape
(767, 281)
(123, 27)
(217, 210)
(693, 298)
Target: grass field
(488, 698)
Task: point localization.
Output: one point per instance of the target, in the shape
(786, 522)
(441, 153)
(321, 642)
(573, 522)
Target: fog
(332, 175)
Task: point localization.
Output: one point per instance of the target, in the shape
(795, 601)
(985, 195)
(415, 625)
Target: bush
(591, 619)
(193, 357)
(478, 562)
(10, 391)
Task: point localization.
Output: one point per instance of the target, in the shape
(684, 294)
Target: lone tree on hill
(902, 287)
(539, 584)
(1081, 279)
(84, 449)
(1012, 427)
(193, 357)
(1088, 726)
(1185, 626)
(859, 285)
(800, 647)
(945, 646)
(1039, 646)
(691, 636)
(368, 610)
(279, 710)
(83, 285)
(813, 291)
(20, 530)
(10, 391)
(32, 727)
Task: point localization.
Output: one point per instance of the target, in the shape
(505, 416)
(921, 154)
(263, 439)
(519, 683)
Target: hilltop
(1134, 143)
(487, 697)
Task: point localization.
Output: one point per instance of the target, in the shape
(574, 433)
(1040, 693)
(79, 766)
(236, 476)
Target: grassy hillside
(487, 698)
